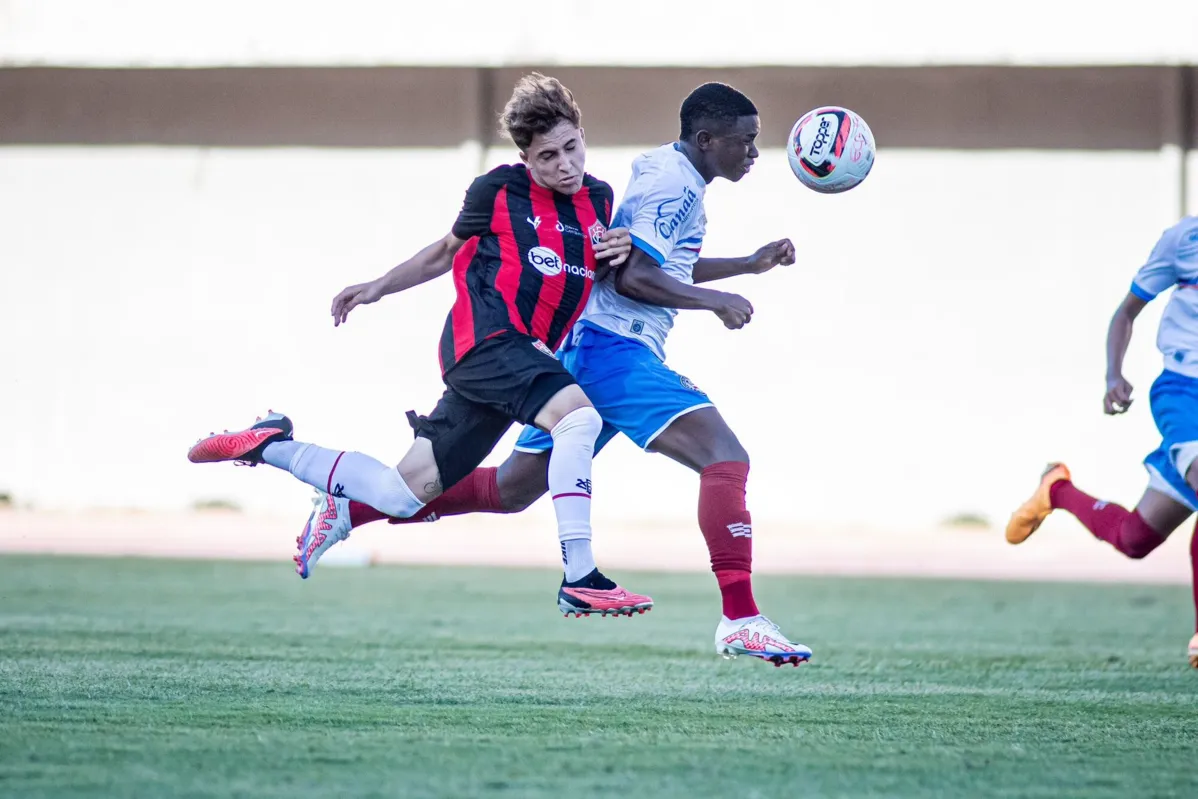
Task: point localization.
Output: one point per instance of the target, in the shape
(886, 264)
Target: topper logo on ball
(822, 137)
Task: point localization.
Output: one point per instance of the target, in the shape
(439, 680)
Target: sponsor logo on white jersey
(673, 212)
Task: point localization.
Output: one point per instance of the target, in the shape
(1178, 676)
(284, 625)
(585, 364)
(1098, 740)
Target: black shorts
(504, 379)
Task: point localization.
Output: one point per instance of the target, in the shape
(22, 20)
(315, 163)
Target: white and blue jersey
(1174, 263)
(663, 209)
(616, 352)
(1173, 398)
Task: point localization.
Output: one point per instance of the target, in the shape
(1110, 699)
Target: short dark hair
(538, 105)
(713, 103)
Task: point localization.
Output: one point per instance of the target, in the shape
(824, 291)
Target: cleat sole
(229, 446)
(629, 611)
(777, 660)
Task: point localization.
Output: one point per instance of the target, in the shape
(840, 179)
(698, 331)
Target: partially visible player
(1172, 492)
(617, 352)
(524, 252)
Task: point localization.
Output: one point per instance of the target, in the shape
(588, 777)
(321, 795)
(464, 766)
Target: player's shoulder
(666, 168)
(596, 185)
(1180, 240)
(1187, 238)
(501, 176)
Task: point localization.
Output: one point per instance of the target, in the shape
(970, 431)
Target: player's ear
(582, 134)
(703, 139)
(524, 157)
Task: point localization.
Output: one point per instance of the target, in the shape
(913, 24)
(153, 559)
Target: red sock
(728, 529)
(1194, 572)
(1125, 530)
(477, 492)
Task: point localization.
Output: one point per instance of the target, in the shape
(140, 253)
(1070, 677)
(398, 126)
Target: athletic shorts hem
(673, 419)
(1158, 483)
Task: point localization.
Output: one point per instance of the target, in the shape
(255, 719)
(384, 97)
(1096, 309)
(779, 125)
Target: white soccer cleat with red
(329, 524)
(757, 636)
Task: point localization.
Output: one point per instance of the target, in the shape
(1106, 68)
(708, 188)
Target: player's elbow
(634, 282)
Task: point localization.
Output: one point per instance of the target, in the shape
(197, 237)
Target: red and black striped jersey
(528, 263)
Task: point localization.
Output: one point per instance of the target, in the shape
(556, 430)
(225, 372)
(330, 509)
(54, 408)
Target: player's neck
(696, 158)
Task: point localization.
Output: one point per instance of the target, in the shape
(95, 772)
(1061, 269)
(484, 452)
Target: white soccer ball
(831, 149)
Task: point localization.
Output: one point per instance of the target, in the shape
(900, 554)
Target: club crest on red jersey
(596, 232)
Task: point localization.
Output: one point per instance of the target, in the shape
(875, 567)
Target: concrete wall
(939, 340)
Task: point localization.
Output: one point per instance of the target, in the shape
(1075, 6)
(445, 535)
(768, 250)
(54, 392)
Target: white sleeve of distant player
(660, 195)
(1160, 272)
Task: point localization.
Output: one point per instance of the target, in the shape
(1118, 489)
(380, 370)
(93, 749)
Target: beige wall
(940, 339)
(1097, 108)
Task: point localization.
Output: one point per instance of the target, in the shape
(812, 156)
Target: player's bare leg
(1192, 479)
(509, 488)
(1134, 533)
(701, 440)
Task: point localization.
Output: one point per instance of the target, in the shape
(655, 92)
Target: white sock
(570, 486)
(577, 559)
(347, 474)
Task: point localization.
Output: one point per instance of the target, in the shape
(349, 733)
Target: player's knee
(725, 449)
(584, 422)
(393, 496)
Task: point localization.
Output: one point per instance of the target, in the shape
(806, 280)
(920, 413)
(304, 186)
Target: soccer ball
(830, 149)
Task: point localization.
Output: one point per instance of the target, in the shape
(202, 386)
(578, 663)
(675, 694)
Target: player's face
(557, 159)
(734, 151)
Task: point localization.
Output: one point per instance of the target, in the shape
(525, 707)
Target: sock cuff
(727, 577)
(726, 470)
(1142, 525)
(487, 487)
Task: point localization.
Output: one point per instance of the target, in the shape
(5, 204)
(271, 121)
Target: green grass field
(123, 678)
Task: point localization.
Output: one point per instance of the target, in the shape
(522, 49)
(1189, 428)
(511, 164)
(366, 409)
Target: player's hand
(352, 297)
(776, 253)
(734, 311)
(616, 245)
(1118, 396)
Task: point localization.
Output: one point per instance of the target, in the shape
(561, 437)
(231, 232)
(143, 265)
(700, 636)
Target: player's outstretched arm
(643, 280)
(776, 253)
(1118, 390)
(433, 261)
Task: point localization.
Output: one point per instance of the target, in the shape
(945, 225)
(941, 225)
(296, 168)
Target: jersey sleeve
(659, 209)
(1160, 272)
(477, 209)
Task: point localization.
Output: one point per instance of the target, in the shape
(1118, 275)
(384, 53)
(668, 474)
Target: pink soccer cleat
(597, 595)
